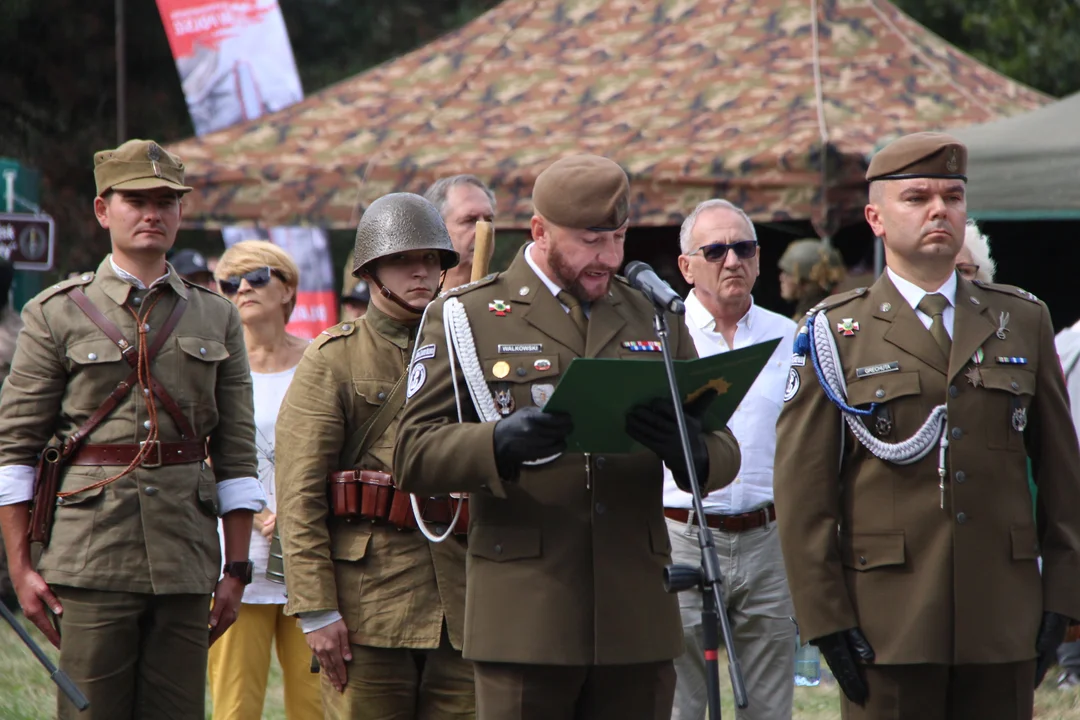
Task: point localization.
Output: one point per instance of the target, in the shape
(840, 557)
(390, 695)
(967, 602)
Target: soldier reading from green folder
(138, 378)
(566, 614)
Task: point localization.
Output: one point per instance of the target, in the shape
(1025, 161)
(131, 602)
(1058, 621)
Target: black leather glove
(654, 425)
(528, 434)
(842, 651)
(1051, 635)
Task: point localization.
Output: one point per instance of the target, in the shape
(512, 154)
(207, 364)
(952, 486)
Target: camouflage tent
(764, 102)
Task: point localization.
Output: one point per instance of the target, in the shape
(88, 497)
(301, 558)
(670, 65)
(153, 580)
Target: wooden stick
(482, 249)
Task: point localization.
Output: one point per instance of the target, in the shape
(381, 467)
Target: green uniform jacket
(931, 585)
(392, 588)
(155, 530)
(565, 564)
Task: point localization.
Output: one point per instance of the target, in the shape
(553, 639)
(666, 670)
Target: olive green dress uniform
(565, 564)
(153, 532)
(948, 597)
(397, 592)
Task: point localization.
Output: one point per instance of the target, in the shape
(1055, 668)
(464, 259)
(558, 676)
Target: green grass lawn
(26, 693)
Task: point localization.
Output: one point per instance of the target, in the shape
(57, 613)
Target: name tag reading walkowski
(877, 369)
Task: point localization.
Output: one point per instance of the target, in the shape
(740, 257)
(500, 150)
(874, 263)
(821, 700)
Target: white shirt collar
(704, 320)
(131, 279)
(555, 289)
(914, 294)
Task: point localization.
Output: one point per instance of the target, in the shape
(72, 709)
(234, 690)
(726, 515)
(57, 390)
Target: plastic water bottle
(807, 665)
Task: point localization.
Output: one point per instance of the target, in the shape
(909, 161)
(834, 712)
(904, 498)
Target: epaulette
(836, 300)
(53, 290)
(462, 289)
(1007, 290)
(342, 329)
(195, 286)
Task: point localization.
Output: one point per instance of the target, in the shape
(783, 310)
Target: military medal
(847, 327)
(500, 369)
(541, 393)
(504, 399)
(499, 307)
(1003, 320)
(641, 345)
(1012, 360)
(542, 365)
(973, 375)
(1019, 419)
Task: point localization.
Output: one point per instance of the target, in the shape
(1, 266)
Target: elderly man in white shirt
(720, 258)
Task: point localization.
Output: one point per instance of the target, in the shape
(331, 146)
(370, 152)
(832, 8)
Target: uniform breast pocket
(98, 358)
(372, 395)
(1008, 395)
(892, 420)
(520, 380)
(198, 367)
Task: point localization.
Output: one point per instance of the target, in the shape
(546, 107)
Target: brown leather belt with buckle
(728, 523)
(160, 453)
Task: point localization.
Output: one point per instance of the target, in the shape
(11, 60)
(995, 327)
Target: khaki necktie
(934, 305)
(577, 313)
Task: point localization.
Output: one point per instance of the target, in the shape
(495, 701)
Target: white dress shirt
(914, 295)
(754, 422)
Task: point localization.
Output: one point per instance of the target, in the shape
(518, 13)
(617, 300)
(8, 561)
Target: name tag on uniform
(871, 370)
(522, 348)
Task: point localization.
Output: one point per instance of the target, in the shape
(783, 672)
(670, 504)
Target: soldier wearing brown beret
(566, 615)
(909, 534)
(137, 379)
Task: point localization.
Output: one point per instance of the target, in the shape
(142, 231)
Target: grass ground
(26, 693)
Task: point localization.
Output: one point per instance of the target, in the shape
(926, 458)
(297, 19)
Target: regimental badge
(1003, 321)
(1019, 419)
(542, 365)
(641, 345)
(504, 401)
(882, 425)
(500, 369)
(425, 353)
(154, 154)
(974, 376)
(952, 163)
(792, 384)
(541, 393)
(417, 378)
(499, 307)
(847, 327)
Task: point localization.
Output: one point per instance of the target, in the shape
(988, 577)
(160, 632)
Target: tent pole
(121, 76)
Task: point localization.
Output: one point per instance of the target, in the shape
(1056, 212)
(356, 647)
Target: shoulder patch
(1007, 290)
(837, 300)
(79, 280)
(462, 289)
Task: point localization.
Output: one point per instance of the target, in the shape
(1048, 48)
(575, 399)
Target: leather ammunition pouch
(371, 495)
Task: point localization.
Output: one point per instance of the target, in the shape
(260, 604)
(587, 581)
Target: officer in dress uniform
(383, 608)
(908, 531)
(138, 378)
(566, 614)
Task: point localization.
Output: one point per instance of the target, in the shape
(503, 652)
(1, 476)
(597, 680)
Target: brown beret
(920, 155)
(583, 191)
(138, 165)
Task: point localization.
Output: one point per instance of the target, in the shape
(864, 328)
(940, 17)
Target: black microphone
(644, 278)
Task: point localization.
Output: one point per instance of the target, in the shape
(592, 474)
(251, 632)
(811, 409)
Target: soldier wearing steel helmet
(382, 608)
(809, 271)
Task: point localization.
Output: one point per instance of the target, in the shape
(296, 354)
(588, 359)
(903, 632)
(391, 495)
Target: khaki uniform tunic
(393, 588)
(957, 585)
(155, 530)
(566, 563)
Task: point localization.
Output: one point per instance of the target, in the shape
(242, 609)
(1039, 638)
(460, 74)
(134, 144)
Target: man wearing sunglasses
(909, 533)
(720, 259)
(138, 379)
(381, 606)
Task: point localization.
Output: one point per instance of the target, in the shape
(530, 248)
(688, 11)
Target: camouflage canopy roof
(694, 98)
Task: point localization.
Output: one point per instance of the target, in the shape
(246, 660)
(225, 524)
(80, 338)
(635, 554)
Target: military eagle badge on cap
(153, 152)
(952, 164)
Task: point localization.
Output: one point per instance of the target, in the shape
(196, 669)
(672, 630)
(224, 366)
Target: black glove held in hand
(654, 425)
(842, 651)
(1051, 635)
(528, 434)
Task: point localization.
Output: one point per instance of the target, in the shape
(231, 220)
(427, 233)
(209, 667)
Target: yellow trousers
(240, 663)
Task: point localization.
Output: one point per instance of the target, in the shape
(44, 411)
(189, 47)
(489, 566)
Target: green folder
(598, 392)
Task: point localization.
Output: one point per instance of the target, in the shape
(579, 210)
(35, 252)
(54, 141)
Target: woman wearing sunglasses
(261, 280)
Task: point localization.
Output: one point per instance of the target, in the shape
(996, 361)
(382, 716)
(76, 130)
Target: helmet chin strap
(394, 297)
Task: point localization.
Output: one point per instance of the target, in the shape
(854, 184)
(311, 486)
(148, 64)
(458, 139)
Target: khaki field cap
(585, 192)
(138, 165)
(920, 155)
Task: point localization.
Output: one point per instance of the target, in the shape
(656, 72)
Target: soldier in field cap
(908, 531)
(134, 383)
(566, 614)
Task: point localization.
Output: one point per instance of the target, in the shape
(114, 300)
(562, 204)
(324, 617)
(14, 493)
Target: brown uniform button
(600, 508)
(961, 518)
(381, 396)
(880, 393)
(521, 372)
(862, 559)
(151, 490)
(960, 476)
(498, 549)
(600, 462)
(953, 392)
(956, 433)
(1014, 385)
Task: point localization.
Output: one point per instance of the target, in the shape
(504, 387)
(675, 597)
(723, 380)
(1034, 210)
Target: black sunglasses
(257, 278)
(716, 252)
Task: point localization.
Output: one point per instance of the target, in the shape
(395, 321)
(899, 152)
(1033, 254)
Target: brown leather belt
(728, 523)
(371, 495)
(160, 453)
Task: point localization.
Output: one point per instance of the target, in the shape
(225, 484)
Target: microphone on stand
(642, 277)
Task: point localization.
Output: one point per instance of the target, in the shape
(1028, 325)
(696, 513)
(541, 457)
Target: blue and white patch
(425, 353)
(792, 384)
(417, 378)
(798, 360)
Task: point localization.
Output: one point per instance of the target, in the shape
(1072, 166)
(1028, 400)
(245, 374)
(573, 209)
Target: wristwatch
(241, 570)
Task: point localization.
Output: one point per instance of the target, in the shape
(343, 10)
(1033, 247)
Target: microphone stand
(706, 578)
